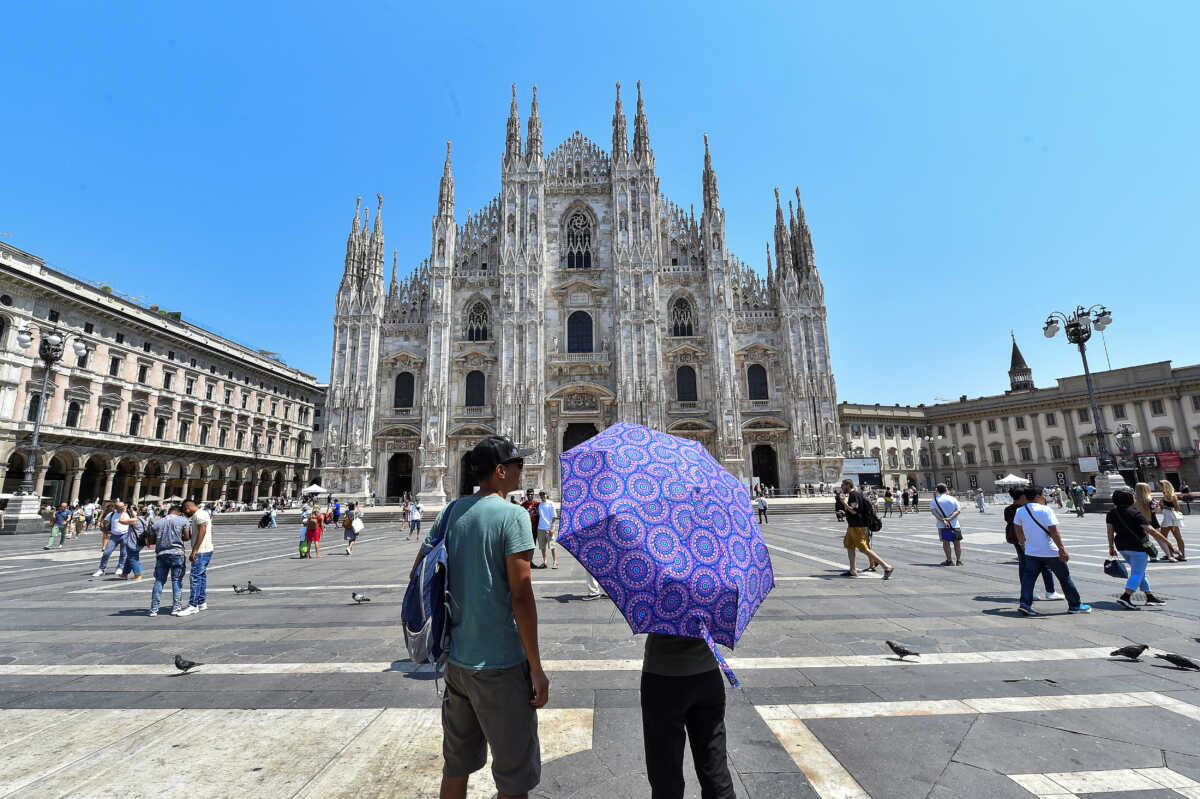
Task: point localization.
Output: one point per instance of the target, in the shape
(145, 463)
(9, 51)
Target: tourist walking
(1129, 533)
(1144, 502)
(1037, 531)
(414, 518)
(200, 535)
(169, 532)
(494, 677)
(89, 515)
(916, 499)
(117, 522)
(1010, 535)
(853, 506)
(1172, 517)
(683, 697)
(1077, 496)
(546, 536)
(337, 511)
(904, 499)
(351, 526)
(888, 501)
(312, 532)
(980, 502)
(132, 545)
(59, 527)
(945, 509)
(760, 505)
(531, 507)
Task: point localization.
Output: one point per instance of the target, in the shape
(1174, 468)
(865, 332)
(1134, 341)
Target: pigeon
(901, 651)
(237, 590)
(185, 665)
(252, 588)
(359, 598)
(1179, 661)
(1133, 652)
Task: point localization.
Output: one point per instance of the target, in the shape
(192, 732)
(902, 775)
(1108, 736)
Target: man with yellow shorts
(852, 503)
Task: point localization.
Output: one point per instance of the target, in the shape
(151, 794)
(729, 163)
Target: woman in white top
(1172, 521)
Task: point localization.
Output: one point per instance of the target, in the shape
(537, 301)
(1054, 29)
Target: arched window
(35, 405)
(682, 318)
(135, 424)
(203, 440)
(477, 323)
(106, 419)
(756, 382)
(685, 384)
(404, 390)
(475, 386)
(160, 428)
(578, 249)
(73, 411)
(579, 332)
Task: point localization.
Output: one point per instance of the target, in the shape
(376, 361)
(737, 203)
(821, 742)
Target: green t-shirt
(483, 532)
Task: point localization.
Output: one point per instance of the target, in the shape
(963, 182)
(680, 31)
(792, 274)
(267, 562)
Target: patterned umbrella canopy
(667, 531)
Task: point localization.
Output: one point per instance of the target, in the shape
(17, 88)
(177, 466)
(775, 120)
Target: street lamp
(954, 453)
(50, 350)
(1078, 328)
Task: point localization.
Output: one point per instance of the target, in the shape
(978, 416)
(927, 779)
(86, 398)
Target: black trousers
(671, 707)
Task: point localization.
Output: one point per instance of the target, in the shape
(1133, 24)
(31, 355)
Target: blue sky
(965, 167)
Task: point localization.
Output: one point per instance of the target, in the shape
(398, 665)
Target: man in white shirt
(202, 550)
(545, 535)
(945, 509)
(414, 519)
(1036, 527)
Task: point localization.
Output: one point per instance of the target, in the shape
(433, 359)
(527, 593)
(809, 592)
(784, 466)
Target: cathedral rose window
(579, 242)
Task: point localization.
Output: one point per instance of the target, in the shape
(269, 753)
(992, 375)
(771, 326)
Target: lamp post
(954, 454)
(23, 515)
(1078, 326)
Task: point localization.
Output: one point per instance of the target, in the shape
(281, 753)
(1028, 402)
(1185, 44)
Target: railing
(579, 357)
(473, 410)
(687, 406)
(760, 405)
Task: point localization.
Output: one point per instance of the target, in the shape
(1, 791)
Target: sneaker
(958, 563)
(98, 573)
(202, 606)
(1155, 601)
(1052, 595)
(134, 577)
(47, 547)
(947, 562)
(152, 613)
(1024, 611)
(1080, 609)
(190, 610)
(1127, 604)
(176, 611)
(590, 597)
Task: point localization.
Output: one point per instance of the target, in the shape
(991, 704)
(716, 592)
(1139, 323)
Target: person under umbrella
(671, 537)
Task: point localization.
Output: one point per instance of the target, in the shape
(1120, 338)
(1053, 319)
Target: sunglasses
(519, 463)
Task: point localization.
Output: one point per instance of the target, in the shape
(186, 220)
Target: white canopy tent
(315, 489)
(1010, 481)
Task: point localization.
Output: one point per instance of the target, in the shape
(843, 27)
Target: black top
(1169, 503)
(1127, 524)
(849, 504)
(676, 656)
(1010, 534)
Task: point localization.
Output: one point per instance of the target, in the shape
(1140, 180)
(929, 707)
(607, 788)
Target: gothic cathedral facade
(577, 297)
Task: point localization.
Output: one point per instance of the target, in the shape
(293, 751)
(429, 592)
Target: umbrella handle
(712, 647)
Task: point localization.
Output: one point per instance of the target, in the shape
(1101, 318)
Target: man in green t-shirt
(494, 678)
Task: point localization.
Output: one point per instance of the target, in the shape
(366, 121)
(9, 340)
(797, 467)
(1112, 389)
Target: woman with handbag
(1146, 506)
(352, 524)
(1128, 533)
(1172, 520)
(312, 533)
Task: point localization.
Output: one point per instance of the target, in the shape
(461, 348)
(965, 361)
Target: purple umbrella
(668, 533)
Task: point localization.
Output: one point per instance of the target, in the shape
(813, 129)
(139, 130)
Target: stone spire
(375, 247)
(783, 249)
(620, 140)
(352, 239)
(446, 188)
(805, 259)
(711, 199)
(533, 142)
(1020, 376)
(394, 287)
(770, 271)
(512, 142)
(641, 134)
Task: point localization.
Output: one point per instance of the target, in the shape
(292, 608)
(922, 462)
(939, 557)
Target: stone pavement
(304, 693)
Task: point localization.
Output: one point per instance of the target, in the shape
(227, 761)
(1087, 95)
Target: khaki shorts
(856, 538)
(546, 538)
(491, 707)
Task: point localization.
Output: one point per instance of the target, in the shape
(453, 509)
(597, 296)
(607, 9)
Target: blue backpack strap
(439, 530)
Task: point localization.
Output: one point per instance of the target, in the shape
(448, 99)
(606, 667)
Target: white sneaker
(98, 573)
(1055, 595)
(190, 610)
(152, 613)
(176, 611)
(202, 606)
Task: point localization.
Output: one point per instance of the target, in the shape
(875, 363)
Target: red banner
(1170, 459)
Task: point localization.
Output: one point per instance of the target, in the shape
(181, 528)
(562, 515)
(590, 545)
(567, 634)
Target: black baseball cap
(495, 450)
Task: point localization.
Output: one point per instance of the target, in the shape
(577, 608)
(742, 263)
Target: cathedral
(578, 296)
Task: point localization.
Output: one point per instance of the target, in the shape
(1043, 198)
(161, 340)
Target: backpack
(868, 514)
(426, 609)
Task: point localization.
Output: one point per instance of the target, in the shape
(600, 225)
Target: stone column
(162, 489)
(187, 481)
(39, 483)
(76, 482)
(204, 491)
(137, 484)
(254, 490)
(240, 486)
(109, 474)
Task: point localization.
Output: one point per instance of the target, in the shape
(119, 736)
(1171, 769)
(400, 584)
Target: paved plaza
(305, 694)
